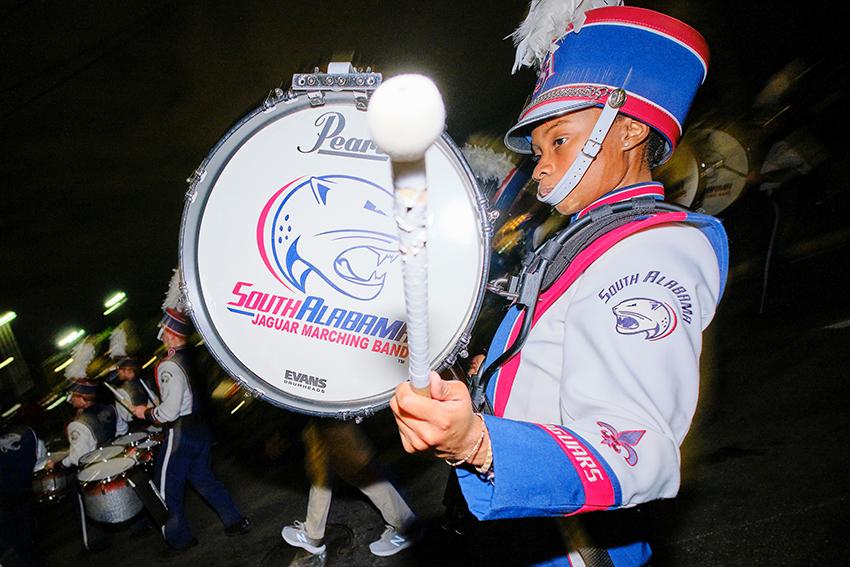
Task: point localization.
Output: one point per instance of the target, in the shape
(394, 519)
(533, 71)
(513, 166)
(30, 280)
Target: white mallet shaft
(406, 115)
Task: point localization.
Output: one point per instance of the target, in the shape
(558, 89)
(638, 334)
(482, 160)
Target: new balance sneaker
(296, 536)
(392, 541)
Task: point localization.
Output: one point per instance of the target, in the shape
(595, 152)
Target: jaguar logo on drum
(332, 231)
(643, 315)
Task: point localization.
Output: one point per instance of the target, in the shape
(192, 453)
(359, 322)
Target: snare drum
(144, 453)
(107, 493)
(100, 455)
(131, 439)
(290, 256)
(51, 485)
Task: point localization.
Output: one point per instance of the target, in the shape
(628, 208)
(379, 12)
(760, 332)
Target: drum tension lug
(317, 98)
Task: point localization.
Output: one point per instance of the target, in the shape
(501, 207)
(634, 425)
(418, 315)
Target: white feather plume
(546, 22)
(82, 355)
(486, 164)
(174, 297)
(118, 342)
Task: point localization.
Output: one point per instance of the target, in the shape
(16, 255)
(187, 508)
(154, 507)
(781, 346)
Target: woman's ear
(633, 132)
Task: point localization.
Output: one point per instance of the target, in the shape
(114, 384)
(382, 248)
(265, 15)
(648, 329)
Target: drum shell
(111, 500)
(50, 485)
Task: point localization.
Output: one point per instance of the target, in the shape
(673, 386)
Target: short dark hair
(654, 151)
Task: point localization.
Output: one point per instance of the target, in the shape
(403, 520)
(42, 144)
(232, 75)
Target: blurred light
(57, 403)
(199, 343)
(7, 362)
(115, 299)
(7, 317)
(148, 363)
(64, 365)
(70, 338)
(10, 411)
(234, 410)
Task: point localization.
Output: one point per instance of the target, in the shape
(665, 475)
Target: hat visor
(518, 138)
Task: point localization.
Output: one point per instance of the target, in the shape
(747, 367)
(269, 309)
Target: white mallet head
(406, 114)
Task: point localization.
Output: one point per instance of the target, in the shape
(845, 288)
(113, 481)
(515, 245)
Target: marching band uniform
(589, 415)
(93, 426)
(341, 447)
(20, 448)
(185, 452)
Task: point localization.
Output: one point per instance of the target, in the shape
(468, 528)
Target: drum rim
(188, 258)
(132, 443)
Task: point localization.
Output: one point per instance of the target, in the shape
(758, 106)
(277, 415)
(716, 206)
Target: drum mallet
(406, 115)
(118, 397)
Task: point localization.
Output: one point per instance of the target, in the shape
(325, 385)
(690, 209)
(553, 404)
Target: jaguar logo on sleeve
(642, 315)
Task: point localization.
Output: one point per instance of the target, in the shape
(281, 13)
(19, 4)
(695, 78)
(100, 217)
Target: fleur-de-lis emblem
(622, 441)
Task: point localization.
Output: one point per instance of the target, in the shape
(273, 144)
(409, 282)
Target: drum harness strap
(544, 265)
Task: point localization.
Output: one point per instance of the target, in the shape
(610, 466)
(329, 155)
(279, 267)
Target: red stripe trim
(652, 21)
(635, 106)
(508, 372)
(598, 490)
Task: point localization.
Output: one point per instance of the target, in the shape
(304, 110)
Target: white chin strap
(589, 152)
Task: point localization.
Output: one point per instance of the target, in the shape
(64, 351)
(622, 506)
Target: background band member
(341, 447)
(589, 415)
(185, 452)
(20, 448)
(128, 385)
(93, 426)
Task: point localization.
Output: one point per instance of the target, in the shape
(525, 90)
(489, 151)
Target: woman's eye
(559, 141)
(535, 158)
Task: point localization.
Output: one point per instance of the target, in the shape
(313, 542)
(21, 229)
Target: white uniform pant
(341, 448)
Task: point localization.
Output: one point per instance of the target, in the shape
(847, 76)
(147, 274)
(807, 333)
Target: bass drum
(290, 257)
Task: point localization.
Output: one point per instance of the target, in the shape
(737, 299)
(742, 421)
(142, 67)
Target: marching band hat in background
(658, 60)
(79, 383)
(174, 318)
(81, 387)
(118, 348)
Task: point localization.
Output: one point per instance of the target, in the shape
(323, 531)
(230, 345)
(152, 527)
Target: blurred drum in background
(708, 171)
(289, 251)
(49, 485)
(144, 453)
(107, 491)
(100, 455)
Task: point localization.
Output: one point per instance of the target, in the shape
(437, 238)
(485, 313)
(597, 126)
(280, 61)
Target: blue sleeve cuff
(539, 470)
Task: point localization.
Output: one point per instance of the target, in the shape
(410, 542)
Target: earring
(625, 144)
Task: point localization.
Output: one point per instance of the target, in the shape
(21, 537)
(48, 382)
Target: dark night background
(106, 108)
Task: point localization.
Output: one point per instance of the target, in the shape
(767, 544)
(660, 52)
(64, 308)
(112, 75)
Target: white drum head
(106, 469)
(725, 165)
(130, 439)
(55, 456)
(289, 252)
(102, 454)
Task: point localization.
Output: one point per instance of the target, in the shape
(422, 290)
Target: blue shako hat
(658, 60)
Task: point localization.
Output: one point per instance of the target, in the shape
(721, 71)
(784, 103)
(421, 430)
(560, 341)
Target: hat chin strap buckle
(588, 152)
